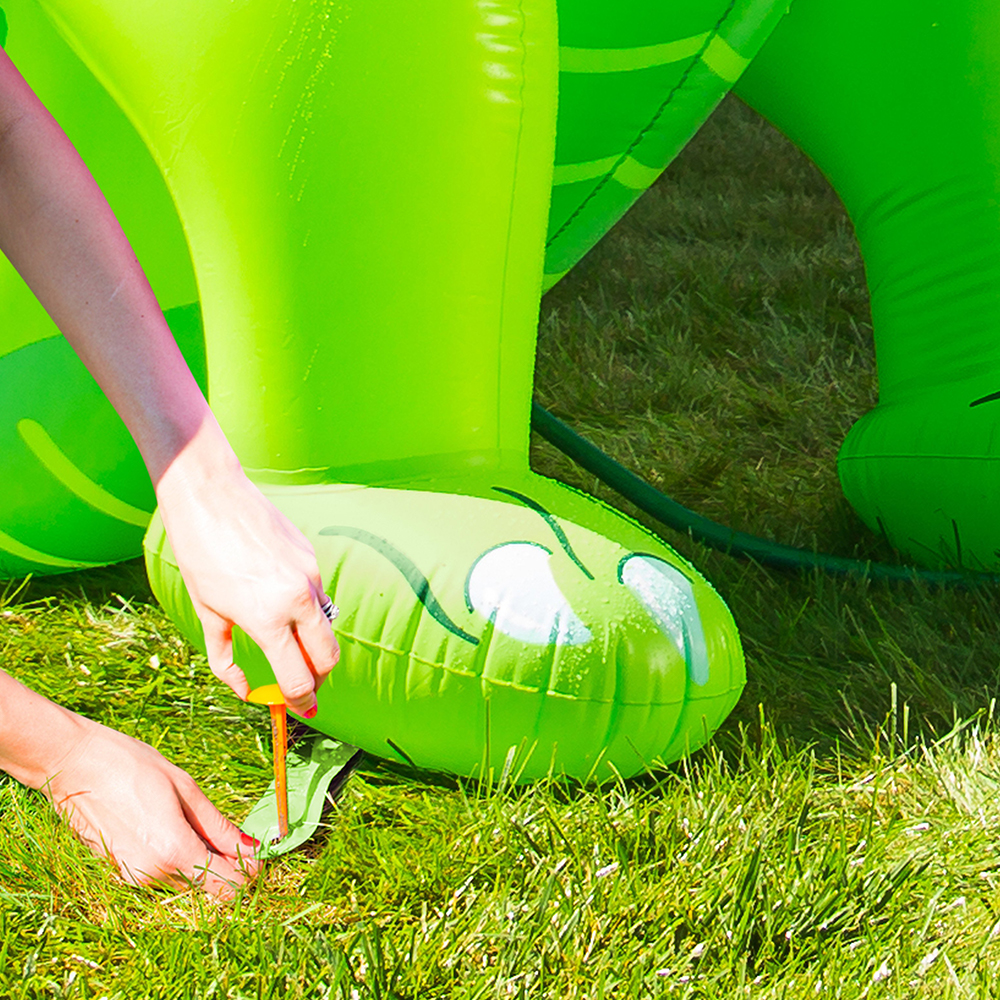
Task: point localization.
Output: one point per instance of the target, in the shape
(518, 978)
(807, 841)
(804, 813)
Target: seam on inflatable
(610, 730)
(615, 713)
(510, 223)
(498, 682)
(538, 714)
(602, 183)
(920, 457)
(676, 731)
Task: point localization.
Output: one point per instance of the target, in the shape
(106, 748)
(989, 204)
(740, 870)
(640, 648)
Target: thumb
(219, 647)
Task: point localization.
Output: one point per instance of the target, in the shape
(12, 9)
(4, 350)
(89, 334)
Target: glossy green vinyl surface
(495, 611)
(366, 200)
(899, 103)
(636, 81)
(471, 619)
(363, 191)
(75, 490)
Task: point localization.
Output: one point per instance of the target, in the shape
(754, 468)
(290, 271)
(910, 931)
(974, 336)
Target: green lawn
(837, 838)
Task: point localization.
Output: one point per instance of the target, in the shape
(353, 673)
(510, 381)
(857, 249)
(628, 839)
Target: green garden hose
(738, 543)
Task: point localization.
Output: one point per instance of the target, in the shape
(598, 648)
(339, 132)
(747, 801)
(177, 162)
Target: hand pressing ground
(124, 799)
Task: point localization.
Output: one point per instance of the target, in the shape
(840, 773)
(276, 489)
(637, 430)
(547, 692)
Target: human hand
(127, 802)
(244, 563)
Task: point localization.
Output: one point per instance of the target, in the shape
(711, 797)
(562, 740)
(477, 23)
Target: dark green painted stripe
(418, 582)
(551, 522)
(402, 753)
(985, 399)
(649, 555)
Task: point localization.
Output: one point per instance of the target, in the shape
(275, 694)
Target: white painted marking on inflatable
(37, 438)
(630, 172)
(512, 585)
(16, 548)
(669, 598)
(723, 60)
(626, 60)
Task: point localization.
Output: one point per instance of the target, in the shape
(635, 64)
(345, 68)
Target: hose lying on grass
(737, 543)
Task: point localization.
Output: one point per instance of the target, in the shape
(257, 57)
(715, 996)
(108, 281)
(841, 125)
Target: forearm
(59, 233)
(243, 561)
(35, 734)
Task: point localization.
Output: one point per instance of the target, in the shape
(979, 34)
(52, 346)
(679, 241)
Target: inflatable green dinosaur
(349, 211)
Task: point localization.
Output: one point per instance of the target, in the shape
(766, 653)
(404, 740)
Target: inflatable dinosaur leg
(898, 102)
(636, 80)
(367, 292)
(364, 190)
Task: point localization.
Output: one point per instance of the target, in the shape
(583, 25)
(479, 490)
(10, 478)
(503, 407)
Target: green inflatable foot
(318, 766)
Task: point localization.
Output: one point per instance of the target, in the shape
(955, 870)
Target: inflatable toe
(525, 616)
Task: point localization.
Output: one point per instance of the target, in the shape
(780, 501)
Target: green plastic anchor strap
(317, 768)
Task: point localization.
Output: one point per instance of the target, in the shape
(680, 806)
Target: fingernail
(249, 841)
(311, 713)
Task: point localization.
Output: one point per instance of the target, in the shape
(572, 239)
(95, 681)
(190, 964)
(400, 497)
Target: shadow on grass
(98, 586)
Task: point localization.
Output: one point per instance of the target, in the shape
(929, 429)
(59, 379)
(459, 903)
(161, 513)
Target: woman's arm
(62, 237)
(243, 562)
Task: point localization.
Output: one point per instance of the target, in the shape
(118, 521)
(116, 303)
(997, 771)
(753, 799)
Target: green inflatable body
(899, 104)
(342, 208)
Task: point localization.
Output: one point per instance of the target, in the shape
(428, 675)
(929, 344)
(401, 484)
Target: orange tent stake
(279, 741)
(270, 695)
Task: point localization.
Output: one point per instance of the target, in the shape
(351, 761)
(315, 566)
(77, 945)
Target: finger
(317, 644)
(291, 670)
(200, 867)
(323, 599)
(217, 875)
(220, 877)
(219, 648)
(220, 834)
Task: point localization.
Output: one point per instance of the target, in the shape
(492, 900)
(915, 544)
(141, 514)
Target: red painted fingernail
(311, 713)
(248, 840)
